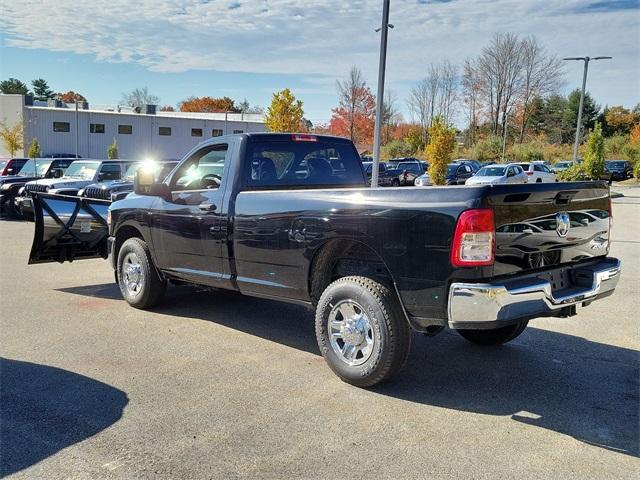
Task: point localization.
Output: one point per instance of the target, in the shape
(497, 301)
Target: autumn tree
(138, 97)
(500, 67)
(209, 105)
(442, 143)
(285, 114)
(70, 97)
(594, 153)
(471, 97)
(34, 149)
(620, 120)
(12, 138)
(41, 90)
(13, 86)
(541, 75)
(355, 115)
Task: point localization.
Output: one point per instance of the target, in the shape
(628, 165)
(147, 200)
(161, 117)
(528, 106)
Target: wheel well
(122, 235)
(342, 258)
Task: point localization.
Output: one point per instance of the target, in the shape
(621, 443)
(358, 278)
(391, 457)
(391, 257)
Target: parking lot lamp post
(504, 134)
(384, 28)
(77, 128)
(586, 61)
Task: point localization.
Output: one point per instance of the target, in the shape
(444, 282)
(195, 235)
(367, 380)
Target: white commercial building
(148, 134)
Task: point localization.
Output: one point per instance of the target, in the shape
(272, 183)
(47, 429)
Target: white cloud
(321, 39)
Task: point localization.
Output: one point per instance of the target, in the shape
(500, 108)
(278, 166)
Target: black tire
(11, 210)
(152, 287)
(539, 180)
(386, 325)
(395, 182)
(495, 336)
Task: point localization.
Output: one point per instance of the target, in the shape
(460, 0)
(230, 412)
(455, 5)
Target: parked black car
(387, 176)
(267, 215)
(457, 174)
(33, 169)
(117, 189)
(618, 169)
(409, 169)
(475, 164)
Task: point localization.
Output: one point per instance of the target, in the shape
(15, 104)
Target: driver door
(188, 230)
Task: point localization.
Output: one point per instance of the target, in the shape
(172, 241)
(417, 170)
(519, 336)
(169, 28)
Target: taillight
(303, 137)
(474, 239)
(529, 173)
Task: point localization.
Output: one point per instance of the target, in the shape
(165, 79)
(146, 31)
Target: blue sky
(249, 48)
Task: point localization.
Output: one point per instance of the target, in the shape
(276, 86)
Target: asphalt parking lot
(215, 385)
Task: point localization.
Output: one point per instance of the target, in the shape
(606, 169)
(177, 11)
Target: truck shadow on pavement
(45, 409)
(563, 383)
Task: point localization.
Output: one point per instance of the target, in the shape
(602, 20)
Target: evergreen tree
(41, 90)
(13, 86)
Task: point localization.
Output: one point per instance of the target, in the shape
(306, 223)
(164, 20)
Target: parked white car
(498, 174)
(538, 172)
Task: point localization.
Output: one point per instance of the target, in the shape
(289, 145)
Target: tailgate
(543, 224)
(68, 228)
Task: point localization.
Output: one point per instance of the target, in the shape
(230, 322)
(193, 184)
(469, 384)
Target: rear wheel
(139, 280)
(395, 182)
(361, 331)
(11, 209)
(495, 336)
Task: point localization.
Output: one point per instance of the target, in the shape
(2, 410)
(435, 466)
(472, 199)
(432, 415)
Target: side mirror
(144, 183)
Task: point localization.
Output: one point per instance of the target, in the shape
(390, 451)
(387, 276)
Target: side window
(304, 163)
(203, 170)
(110, 171)
(538, 168)
(382, 167)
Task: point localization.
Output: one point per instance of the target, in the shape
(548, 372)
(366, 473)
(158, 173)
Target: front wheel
(395, 182)
(139, 280)
(495, 336)
(361, 331)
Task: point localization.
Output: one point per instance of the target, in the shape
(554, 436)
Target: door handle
(207, 207)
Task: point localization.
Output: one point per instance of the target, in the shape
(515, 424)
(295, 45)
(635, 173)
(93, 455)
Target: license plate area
(560, 279)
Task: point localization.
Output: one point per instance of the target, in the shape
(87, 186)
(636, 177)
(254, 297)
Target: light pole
(586, 61)
(504, 136)
(384, 28)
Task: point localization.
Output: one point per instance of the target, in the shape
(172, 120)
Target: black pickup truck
(290, 217)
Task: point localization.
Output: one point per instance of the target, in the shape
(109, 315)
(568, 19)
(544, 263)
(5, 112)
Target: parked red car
(11, 166)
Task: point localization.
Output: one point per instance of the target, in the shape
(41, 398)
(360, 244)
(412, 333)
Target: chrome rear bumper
(490, 305)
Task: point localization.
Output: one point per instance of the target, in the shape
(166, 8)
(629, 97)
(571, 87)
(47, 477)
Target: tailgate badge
(563, 223)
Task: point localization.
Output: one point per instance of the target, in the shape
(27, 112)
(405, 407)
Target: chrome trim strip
(529, 296)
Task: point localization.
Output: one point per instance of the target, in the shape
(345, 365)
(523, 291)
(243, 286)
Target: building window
(196, 132)
(164, 131)
(216, 132)
(125, 129)
(61, 127)
(96, 127)
(238, 131)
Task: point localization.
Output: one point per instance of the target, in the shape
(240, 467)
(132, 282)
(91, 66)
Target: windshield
(82, 170)
(491, 172)
(616, 164)
(452, 169)
(563, 164)
(35, 168)
(3, 163)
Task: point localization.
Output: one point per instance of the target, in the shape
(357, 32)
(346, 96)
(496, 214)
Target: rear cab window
(302, 164)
